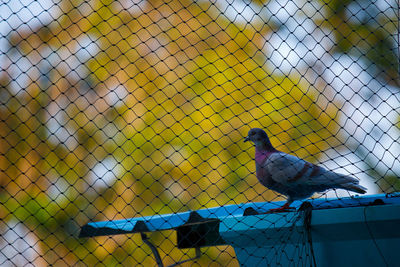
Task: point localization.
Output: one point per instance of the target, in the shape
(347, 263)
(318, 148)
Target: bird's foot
(285, 208)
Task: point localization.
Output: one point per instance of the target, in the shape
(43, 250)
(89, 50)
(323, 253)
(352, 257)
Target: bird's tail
(352, 184)
(356, 188)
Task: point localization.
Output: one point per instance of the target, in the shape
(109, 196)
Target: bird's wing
(285, 168)
(299, 178)
(292, 171)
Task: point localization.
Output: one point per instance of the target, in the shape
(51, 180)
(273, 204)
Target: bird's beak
(246, 139)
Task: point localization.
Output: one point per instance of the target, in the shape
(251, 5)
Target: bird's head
(260, 138)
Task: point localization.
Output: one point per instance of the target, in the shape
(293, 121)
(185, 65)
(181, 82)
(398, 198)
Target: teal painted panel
(350, 253)
(341, 237)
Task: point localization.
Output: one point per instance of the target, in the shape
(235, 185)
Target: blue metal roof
(175, 220)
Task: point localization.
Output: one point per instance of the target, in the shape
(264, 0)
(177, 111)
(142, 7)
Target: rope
(306, 209)
(373, 238)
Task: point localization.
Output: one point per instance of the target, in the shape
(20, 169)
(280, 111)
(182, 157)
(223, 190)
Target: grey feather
(292, 176)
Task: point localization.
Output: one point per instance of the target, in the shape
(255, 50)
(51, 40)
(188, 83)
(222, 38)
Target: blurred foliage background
(118, 109)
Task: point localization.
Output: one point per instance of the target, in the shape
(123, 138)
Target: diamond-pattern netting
(119, 109)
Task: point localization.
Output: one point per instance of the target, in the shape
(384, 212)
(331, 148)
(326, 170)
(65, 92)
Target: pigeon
(294, 177)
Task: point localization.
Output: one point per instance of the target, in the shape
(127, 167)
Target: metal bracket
(157, 256)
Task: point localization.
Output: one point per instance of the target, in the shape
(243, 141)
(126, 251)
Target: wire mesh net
(119, 109)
